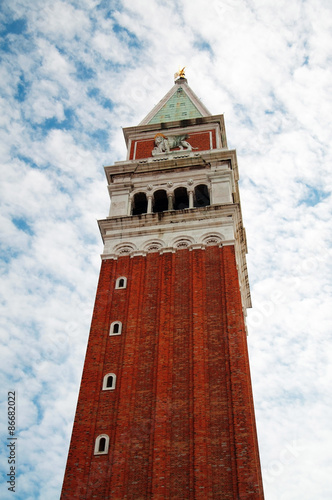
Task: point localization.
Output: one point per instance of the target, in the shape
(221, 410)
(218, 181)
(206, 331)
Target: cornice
(177, 161)
(137, 223)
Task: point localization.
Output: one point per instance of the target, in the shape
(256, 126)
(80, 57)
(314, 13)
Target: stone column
(170, 201)
(129, 208)
(191, 198)
(149, 204)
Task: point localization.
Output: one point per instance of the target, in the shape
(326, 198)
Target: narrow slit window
(102, 445)
(121, 282)
(109, 382)
(116, 328)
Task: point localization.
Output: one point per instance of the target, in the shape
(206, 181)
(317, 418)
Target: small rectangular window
(121, 282)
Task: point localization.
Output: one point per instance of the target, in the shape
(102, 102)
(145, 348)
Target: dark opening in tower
(202, 197)
(160, 201)
(140, 204)
(181, 199)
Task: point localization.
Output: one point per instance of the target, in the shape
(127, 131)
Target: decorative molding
(197, 246)
(159, 245)
(153, 246)
(138, 253)
(213, 239)
(167, 250)
(124, 249)
(182, 242)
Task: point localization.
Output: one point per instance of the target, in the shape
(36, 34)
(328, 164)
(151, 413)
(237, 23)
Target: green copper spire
(180, 103)
(178, 107)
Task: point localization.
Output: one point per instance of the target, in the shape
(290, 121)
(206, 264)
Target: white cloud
(61, 20)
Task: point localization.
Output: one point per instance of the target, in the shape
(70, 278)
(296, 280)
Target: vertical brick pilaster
(161, 452)
(76, 480)
(126, 426)
(244, 428)
(181, 478)
(200, 393)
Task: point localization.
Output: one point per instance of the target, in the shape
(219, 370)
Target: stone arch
(124, 249)
(153, 246)
(212, 239)
(183, 242)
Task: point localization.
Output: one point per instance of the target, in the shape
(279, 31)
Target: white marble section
(217, 177)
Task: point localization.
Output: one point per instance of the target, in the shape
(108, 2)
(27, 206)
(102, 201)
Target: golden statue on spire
(180, 74)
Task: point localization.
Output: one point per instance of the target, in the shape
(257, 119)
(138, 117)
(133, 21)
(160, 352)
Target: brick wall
(180, 420)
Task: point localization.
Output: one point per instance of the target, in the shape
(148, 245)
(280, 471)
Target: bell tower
(165, 409)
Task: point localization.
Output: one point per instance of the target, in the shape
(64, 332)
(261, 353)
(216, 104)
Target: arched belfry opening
(202, 196)
(181, 198)
(160, 202)
(140, 204)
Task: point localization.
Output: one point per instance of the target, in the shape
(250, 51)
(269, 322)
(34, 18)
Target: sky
(72, 74)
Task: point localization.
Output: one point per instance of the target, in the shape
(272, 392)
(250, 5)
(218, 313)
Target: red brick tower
(165, 408)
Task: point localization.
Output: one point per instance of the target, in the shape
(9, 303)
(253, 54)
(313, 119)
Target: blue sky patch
(202, 44)
(22, 225)
(54, 123)
(16, 27)
(305, 61)
(126, 36)
(29, 161)
(105, 5)
(242, 112)
(83, 72)
(22, 88)
(8, 254)
(103, 101)
(101, 137)
(314, 196)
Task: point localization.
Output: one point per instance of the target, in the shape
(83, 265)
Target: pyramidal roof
(180, 103)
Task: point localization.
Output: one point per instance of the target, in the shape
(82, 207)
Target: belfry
(165, 409)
